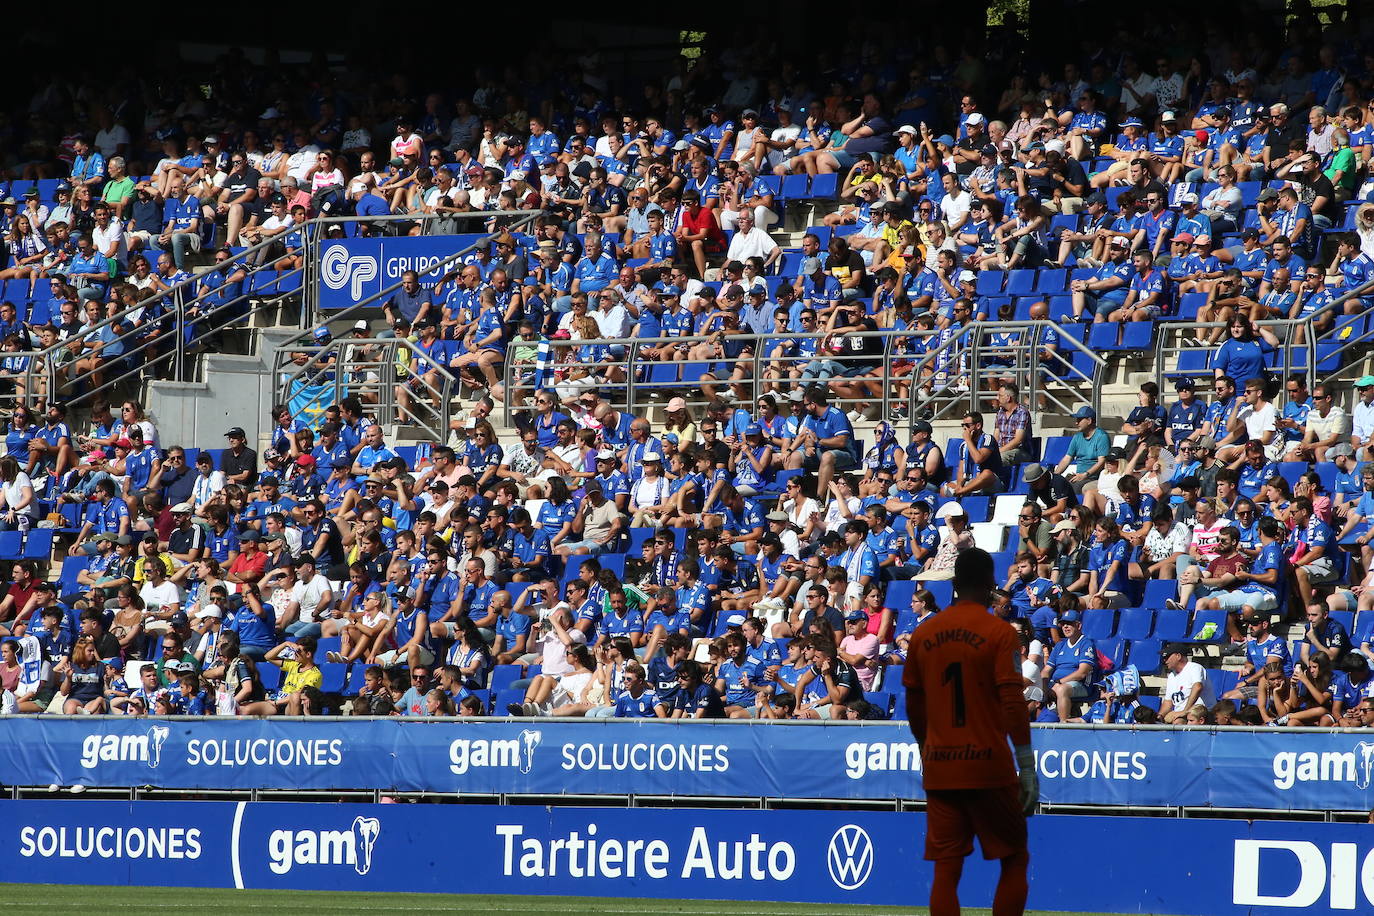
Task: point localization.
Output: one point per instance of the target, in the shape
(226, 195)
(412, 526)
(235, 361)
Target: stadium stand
(647, 421)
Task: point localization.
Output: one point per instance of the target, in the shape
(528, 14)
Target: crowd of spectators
(728, 560)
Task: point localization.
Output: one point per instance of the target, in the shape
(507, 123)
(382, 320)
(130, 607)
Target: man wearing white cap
(956, 538)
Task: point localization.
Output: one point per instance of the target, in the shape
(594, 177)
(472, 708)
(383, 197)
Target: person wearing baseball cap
(1106, 290)
(1087, 453)
(1071, 666)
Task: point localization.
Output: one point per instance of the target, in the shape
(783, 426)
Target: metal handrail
(1358, 341)
(1284, 327)
(291, 378)
(970, 345)
(177, 306)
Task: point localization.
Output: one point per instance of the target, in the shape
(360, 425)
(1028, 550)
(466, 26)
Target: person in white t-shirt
(1261, 424)
(1185, 687)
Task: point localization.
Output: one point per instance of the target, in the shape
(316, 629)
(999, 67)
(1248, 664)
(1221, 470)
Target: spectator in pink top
(860, 648)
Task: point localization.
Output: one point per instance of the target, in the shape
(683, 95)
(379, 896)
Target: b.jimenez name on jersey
(109, 842)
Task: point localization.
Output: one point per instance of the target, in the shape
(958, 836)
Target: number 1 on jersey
(954, 674)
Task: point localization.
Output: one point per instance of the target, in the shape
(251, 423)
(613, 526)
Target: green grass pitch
(57, 899)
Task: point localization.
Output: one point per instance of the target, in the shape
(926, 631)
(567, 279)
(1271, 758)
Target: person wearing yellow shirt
(299, 672)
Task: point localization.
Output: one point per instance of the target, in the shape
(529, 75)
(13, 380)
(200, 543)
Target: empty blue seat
(1099, 623)
(899, 594)
(1136, 623)
(1053, 280)
(825, 187)
(1020, 282)
(37, 544)
(1223, 680)
(1146, 654)
(990, 282)
(1104, 335)
(796, 187)
(1157, 591)
(1138, 336)
(1171, 625)
(502, 676)
(1189, 303)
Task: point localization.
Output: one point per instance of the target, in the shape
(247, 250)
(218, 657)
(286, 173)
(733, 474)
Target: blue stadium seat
(796, 187)
(1114, 649)
(1201, 619)
(1146, 655)
(976, 507)
(503, 698)
(1138, 336)
(825, 187)
(1223, 680)
(11, 544)
(1249, 192)
(822, 233)
(37, 544)
(1020, 282)
(1104, 335)
(1345, 619)
(990, 282)
(1189, 304)
(1099, 623)
(502, 676)
(942, 591)
(638, 538)
(1136, 623)
(1052, 280)
(1056, 447)
(1157, 591)
(898, 596)
(1171, 625)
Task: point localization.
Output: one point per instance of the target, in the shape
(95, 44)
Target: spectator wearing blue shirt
(637, 700)
(1242, 355)
(1107, 290)
(978, 466)
(1108, 560)
(1146, 293)
(1186, 415)
(1313, 543)
(1323, 635)
(1357, 270)
(825, 441)
(411, 302)
(1071, 664)
(181, 222)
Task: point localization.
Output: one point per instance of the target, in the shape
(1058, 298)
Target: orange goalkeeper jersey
(965, 698)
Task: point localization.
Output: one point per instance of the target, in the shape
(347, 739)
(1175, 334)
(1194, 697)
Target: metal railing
(191, 321)
(963, 371)
(634, 373)
(1175, 338)
(374, 370)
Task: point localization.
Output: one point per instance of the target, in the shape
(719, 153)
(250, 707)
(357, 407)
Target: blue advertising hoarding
(353, 269)
(1278, 770)
(1214, 867)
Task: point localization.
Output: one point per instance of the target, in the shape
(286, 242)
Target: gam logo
(1357, 766)
(340, 271)
(145, 748)
(289, 848)
(850, 857)
(468, 753)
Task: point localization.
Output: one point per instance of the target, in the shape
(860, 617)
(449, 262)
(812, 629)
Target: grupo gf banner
(1106, 766)
(825, 857)
(353, 269)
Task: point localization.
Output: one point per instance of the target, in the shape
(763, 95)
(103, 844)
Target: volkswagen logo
(850, 857)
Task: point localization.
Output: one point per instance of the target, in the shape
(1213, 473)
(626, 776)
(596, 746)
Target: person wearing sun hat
(954, 540)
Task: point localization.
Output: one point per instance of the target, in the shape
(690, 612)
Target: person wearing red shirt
(699, 230)
(251, 563)
(963, 701)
